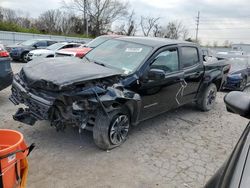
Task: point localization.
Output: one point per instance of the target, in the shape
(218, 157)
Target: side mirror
(156, 74)
(204, 57)
(238, 102)
(35, 46)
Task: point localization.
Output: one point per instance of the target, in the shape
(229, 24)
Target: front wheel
(207, 100)
(110, 132)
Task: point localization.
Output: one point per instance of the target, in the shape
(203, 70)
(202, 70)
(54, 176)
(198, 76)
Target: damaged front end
(74, 104)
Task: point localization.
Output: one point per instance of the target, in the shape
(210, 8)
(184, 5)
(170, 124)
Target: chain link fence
(8, 38)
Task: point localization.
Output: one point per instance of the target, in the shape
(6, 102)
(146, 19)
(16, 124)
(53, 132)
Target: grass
(7, 26)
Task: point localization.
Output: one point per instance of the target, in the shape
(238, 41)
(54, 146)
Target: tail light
(4, 54)
(80, 55)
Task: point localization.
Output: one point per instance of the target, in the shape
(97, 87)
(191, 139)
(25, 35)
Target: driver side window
(166, 60)
(41, 44)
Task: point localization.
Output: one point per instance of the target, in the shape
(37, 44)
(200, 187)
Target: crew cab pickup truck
(118, 84)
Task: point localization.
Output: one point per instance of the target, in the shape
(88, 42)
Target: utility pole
(85, 18)
(197, 26)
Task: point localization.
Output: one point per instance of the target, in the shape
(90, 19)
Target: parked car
(239, 74)
(20, 51)
(50, 50)
(6, 74)
(120, 83)
(85, 48)
(235, 171)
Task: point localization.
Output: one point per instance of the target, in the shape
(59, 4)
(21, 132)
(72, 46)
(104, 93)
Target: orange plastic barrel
(13, 150)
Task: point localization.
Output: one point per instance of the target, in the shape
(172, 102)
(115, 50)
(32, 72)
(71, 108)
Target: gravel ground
(182, 148)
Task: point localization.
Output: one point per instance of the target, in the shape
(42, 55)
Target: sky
(220, 20)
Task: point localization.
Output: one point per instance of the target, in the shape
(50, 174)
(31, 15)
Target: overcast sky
(220, 20)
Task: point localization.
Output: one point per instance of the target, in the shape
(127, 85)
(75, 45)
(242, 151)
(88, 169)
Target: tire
(207, 100)
(24, 57)
(107, 132)
(243, 84)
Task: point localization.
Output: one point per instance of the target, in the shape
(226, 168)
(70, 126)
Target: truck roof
(154, 42)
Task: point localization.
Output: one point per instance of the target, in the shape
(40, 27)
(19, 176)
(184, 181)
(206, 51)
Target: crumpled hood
(64, 71)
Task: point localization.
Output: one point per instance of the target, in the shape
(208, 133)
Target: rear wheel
(24, 57)
(110, 132)
(207, 100)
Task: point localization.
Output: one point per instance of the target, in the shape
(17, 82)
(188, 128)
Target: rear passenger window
(50, 42)
(41, 44)
(190, 56)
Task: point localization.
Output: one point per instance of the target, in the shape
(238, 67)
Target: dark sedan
(239, 74)
(6, 74)
(20, 51)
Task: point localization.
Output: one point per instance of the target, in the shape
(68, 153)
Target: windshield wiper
(99, 64)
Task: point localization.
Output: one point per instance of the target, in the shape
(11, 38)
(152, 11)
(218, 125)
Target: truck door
(193, 68)
(159, 96)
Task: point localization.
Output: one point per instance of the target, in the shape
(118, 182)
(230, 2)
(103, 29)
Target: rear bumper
(38, 108)
(15, 55)
(6, 80)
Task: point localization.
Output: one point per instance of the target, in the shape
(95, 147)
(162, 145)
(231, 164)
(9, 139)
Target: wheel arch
(128, 99)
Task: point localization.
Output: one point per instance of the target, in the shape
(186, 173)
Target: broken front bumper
(38, 108)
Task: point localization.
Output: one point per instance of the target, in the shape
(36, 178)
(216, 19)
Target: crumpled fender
(119, 96)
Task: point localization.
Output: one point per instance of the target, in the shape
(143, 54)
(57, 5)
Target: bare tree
(176, 30)
(24, 22)
(215, 44)
(49, 21)
(100, 13)
(8, 15)
(129, 28)
(147, 24)
(157, 31)
(1, 14)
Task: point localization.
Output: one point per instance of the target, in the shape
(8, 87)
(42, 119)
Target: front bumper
(30, 57)
(38, 108)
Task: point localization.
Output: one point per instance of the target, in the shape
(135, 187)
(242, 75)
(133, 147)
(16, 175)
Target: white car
(50, 50)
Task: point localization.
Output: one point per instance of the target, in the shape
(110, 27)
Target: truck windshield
(123, 55)
(97, 41)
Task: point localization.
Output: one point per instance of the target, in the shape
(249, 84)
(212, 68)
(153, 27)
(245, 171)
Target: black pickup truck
(118, 84)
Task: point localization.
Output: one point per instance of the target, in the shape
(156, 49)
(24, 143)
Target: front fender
(115, 97)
